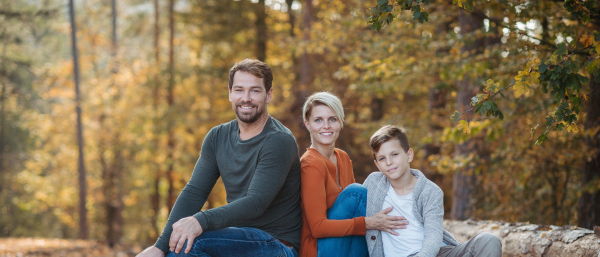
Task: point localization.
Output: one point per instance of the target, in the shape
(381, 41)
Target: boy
(420, 201)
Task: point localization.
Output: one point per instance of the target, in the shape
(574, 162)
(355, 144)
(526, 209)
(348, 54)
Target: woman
(333, 208)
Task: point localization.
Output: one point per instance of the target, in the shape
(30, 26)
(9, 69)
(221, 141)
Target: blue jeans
(234, 241)
(350, 203)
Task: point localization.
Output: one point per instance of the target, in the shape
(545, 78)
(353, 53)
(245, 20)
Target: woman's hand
(382, 221)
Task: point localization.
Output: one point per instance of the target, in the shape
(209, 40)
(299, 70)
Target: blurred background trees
(154, 81)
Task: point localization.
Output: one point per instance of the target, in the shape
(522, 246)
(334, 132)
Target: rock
(523, 239)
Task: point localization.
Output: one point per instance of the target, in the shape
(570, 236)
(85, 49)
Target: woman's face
(324, 126)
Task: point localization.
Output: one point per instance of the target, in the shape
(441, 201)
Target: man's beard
(249, 118)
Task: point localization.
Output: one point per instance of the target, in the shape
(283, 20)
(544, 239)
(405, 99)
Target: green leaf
(541, 138)
(381, 2)
(583, 79)
(542, 68)
(560, 127)
(455, 116)
(562, 49)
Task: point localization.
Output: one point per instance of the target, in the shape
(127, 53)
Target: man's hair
(387, 133)
(323, 98)
(254, 67)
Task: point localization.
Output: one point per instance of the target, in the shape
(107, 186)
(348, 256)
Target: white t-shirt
(409, 240)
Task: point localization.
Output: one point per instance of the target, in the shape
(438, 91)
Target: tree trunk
(261, 30)
(171, 196)
(155, 197)
(463, 180)
(306, 78)
(83, 230)
(588, 208)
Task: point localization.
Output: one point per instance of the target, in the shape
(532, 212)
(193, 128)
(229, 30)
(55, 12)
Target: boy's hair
(387, 133)
(326, 99)
(254, 67)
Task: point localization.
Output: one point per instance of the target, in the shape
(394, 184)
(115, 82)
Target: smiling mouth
(392, 170)
(246, 108)
(327, 133)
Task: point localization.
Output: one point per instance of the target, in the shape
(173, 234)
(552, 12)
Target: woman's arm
(314, 201)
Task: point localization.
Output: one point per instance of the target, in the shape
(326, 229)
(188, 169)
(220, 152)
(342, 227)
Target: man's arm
(194, 194)
(433, 218)
(274, 163)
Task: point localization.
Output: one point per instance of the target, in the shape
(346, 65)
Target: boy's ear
(411, 154)
(375, 161)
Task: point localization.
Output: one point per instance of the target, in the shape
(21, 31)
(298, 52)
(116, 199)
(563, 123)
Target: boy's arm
(433, 217)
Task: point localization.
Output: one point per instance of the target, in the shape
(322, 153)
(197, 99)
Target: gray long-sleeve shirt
(428, 208)
(261, 177)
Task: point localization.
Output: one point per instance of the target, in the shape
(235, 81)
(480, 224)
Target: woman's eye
(332, 119)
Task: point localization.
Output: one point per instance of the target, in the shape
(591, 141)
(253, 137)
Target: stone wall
(523, 239)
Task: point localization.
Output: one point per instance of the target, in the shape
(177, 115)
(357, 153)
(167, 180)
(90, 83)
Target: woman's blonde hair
(323, 98)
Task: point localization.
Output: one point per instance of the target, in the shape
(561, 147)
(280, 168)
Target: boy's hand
(382, 221)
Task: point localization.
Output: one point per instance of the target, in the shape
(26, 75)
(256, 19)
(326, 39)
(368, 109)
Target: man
(257, 159)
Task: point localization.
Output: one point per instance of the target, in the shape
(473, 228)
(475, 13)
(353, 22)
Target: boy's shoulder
(424, 184)
(374, 178)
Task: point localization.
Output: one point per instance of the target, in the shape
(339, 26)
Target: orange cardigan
(319, 191)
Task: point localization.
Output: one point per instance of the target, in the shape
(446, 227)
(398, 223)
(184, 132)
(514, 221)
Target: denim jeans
(350, 203)
(234, 241)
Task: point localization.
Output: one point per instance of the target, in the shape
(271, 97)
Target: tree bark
(261, 30)
(171, 196)
(588, 207)
(463, 180)
(155, 197)
(83, 230)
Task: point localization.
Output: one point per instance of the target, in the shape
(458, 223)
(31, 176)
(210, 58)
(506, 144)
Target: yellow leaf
(586, 40)
(573, 127)
(464, 126)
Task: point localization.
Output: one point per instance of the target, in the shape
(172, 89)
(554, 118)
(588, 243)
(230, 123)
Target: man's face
(249, 97)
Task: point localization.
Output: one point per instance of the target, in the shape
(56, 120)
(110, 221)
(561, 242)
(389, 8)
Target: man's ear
(269, 95)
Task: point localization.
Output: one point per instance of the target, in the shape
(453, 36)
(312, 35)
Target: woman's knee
(355, 188)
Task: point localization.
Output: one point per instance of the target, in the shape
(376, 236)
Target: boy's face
(393, 161)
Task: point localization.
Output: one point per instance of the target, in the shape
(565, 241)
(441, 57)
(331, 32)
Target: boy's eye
(381, 159)
(394, 154)
(317, 120)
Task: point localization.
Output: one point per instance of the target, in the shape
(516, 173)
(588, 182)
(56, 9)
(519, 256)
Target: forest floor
(38, 247)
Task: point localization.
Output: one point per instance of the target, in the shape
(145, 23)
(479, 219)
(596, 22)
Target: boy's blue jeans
(236, 241)
(350, 203)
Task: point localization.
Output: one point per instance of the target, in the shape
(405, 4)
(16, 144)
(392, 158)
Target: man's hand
(151, 251)
(188, 229)
(382, 221)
